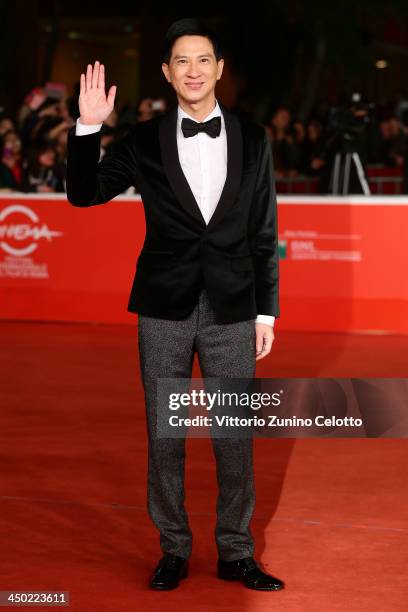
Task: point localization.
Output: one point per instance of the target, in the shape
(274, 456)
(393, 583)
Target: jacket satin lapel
(176, 176)
(234, 166)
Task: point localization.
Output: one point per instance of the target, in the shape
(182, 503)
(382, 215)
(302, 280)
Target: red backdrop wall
(343, 261)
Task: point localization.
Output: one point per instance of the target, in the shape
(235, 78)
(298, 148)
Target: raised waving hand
(94, 105)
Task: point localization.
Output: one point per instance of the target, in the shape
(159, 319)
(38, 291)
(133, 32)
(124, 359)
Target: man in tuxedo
(206, 279)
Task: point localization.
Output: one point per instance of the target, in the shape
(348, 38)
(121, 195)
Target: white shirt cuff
(268, 319)
(83, 130)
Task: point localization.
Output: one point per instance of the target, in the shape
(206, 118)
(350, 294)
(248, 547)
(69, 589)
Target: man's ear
(166, 71)
(220, 67)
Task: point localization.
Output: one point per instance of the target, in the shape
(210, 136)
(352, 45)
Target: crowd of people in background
(304, 148)
(33, 143)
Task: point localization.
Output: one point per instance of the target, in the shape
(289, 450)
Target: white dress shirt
(203, 160)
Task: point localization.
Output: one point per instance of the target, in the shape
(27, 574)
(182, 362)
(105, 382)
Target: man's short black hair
(189, 27)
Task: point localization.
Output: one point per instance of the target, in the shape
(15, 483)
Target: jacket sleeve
(263, 234)
(90, 181)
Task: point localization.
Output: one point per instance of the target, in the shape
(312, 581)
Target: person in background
(51, 134)
(299, 131)
(108, 137)
(60, 145)
(285, 145)
(11, 162)
(6, 124)
(392, 142)
(149, 108)
(43, 173)
(313, 159)
(39, 122)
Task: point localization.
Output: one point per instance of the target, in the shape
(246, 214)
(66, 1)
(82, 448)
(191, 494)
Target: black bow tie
(212, 127)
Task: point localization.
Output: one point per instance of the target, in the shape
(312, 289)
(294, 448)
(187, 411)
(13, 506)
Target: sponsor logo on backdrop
(312, 245)
(21, 234)
(282, 249)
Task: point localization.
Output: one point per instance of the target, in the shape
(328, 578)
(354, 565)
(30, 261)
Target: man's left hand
(264, 339)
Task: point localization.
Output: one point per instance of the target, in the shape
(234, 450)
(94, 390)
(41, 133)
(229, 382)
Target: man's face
(193, 69)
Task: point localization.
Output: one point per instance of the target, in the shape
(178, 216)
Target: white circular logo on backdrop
(32, 230)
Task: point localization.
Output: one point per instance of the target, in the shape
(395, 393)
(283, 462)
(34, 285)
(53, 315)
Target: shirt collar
(214, 113)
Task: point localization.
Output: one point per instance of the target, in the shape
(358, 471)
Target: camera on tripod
(348, 126)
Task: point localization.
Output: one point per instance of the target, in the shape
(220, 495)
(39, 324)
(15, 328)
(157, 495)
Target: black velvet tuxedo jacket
(235, 256)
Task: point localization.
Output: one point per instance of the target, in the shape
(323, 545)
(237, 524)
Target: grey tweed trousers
(166, 349)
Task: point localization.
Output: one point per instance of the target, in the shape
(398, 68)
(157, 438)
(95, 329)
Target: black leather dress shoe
(168, 573)
(247, 571)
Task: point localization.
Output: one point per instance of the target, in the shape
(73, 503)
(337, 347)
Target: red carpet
(331, 517)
